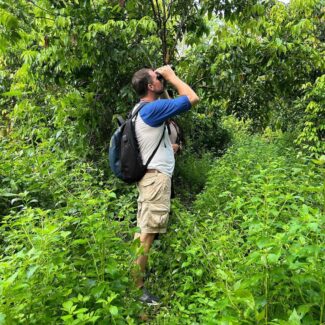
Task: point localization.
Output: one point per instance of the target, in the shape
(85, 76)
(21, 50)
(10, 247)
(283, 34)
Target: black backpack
(124, 154)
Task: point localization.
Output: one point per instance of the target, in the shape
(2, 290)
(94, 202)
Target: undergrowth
(66, 240)
(252, 251)
(249, 251)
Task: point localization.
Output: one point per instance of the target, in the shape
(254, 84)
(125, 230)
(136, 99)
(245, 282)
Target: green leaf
(260, 315)
(68, 306)
(6, 194)
(2, 319)
(12, 278)
(113, 310)
(67, 317)
(273, 258)
(223, 275)
(80, 311)
(31, 270)
(265, 242)
(13, 93)
(245, 296)
(7, 19)
(295, 318)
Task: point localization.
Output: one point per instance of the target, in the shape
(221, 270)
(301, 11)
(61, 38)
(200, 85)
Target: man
(155, 187)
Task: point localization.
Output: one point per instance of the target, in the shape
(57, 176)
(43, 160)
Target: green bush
(312, 129)
(64, 266)
(195, 162)
(65, 254)
(251, 251)
(70, 264)
(191, 173)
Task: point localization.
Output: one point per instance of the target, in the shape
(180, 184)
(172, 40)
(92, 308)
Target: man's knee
(147, 238)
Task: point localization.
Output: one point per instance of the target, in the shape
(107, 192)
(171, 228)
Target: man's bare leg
(146, 241)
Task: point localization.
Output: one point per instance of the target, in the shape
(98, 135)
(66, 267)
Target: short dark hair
(140, 81)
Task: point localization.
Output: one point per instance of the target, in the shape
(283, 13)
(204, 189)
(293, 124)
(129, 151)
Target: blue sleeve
(157, 112)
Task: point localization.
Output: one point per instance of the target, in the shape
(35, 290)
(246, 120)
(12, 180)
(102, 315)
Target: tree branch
(158, 14)
(169, 9)
(164, 33)
(178, 33)
(153, 9)
(43, 9)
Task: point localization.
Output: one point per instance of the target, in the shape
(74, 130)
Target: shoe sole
(151, 303)
(154, 304)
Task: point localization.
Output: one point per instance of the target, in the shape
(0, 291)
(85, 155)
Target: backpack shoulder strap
(168, 128)
(137, 110)
(134, 114)
(154, 152)
(120, 120)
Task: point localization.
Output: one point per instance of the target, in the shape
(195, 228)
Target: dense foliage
(251, 249)
(246, 238)
(260, 67)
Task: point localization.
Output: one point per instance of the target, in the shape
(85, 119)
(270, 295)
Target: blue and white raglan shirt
(149, 128)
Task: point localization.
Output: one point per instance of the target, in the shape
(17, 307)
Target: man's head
(145, 81)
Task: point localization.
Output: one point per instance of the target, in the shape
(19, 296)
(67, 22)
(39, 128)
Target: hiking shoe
(149, 299)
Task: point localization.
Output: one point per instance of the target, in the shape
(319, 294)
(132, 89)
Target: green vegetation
(246, 237)
(251, 250)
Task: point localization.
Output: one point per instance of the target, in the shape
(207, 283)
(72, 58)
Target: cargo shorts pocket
(147, 188)
(159, 214)
(147, 180)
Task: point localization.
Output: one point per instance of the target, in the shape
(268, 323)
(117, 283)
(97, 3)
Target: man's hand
(167, 72)
(175, 147)
(182, 88)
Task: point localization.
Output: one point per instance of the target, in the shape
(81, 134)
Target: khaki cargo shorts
(153, 203)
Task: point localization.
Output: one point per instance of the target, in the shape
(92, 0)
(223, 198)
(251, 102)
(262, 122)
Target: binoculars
(161, 78)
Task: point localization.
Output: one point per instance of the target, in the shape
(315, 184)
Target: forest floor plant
(65, 253)
(251, 251)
